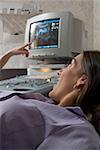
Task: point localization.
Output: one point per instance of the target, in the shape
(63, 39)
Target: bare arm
(17, 51)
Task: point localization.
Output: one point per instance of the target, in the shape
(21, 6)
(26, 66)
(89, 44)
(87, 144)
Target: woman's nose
(59, 72)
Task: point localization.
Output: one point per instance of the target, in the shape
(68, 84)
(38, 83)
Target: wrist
(10, 53)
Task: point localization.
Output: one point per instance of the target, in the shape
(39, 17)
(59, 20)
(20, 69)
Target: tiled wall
(82, 9)
(96, 23)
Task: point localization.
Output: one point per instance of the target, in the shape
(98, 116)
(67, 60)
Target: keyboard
(28, 83)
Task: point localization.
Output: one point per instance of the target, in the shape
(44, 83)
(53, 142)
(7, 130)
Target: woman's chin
(52, 91)
(50, 94)
(54, 87)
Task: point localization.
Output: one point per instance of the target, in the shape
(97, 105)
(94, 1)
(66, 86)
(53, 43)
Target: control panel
(28, 83)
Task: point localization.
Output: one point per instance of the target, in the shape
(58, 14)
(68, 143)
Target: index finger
(27, 45)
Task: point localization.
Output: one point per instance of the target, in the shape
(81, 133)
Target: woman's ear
(80, 82)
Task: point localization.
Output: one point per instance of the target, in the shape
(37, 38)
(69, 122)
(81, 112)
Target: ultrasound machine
(55, 36)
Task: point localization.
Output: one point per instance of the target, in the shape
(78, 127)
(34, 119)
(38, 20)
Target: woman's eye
(66, 65)
(70, 63)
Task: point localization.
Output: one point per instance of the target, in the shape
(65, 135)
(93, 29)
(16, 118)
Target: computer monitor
(52, 35)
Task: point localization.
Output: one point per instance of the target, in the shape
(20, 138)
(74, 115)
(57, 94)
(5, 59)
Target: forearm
(16, 51)
(5, 58)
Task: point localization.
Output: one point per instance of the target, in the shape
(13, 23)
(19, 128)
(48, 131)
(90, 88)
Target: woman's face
(67, 79)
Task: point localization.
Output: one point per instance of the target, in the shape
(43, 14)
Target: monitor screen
(44, 34)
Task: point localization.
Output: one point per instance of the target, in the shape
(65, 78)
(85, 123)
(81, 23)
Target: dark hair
(89, 100)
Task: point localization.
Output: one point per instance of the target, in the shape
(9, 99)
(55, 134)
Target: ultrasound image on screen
(44, 34)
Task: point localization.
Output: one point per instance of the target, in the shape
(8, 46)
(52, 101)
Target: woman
(63, 121)
(84, 71)
(17, 51)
